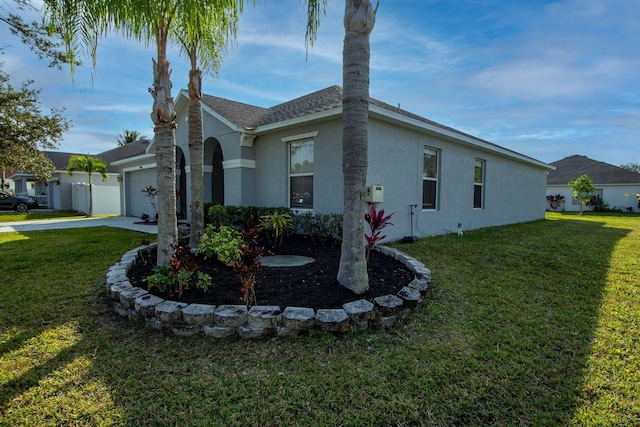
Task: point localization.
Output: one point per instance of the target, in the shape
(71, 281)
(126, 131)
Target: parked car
(18, 203)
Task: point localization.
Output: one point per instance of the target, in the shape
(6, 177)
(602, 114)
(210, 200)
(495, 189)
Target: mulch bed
(313, 285)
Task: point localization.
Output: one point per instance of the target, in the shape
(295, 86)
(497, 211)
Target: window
(478, 184)
(301, 174)
(430, 179)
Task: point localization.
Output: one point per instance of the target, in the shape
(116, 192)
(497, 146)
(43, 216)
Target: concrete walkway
(128, 223)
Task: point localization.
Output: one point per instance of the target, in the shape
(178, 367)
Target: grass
(528, 324)
(36, 215)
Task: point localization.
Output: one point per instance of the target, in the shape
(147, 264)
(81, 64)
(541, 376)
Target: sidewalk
(128, 223)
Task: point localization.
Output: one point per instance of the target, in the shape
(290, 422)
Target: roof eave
(306, 119)
(134, 159)
(410, 122)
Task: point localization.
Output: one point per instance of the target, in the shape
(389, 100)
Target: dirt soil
(313, 285)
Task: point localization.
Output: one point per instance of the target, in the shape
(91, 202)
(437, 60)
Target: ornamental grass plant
(526, 324)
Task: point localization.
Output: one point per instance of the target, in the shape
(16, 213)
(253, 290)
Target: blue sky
(546, 79)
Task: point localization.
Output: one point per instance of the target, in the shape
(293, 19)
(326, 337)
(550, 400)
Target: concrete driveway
(128, 223)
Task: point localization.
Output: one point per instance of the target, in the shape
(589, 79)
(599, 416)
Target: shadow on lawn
(503, 339)
(517, 325)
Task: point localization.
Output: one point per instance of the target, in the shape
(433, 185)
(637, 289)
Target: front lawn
(38, 215)
(529, 324)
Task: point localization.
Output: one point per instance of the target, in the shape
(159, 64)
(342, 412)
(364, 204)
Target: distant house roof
(131, 149)
(61, 159)
(570, 168)
(251, 117)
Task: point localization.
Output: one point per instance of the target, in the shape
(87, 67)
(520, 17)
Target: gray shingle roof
(59, 159)
(240, 114)
(136, 148)
(132, 149)
(250, 116)
(570, 168)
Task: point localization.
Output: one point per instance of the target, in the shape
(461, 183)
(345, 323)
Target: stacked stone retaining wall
(261, 321)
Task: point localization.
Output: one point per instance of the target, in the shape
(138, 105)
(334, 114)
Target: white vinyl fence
(106, 199)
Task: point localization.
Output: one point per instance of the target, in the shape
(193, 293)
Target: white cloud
(120, 108)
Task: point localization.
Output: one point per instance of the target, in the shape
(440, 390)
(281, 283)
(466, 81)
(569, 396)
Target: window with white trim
(430, 179)
(478, 185)
(301, 174)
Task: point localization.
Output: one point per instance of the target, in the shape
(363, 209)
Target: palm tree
(359, 19)
(90, 165)
(208, 46)
(82, 23)
(127, 137)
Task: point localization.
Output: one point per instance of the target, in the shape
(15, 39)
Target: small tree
(26, 130)
(582, 188)
(90, 165)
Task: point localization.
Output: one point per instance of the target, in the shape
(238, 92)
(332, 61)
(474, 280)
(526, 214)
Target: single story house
(68, 192)
(612, 183)
(431, 176)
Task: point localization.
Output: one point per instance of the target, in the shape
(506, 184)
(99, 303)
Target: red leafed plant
(248, 265)
(555, 201)
(377, 221)
(176, 276)
(182, 266)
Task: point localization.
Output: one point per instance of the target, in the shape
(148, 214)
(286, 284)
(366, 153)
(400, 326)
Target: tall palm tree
(359, 19)
(206, 44)
(89, 165)
(81, 23)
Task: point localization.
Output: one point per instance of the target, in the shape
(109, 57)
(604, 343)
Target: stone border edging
(261, 321)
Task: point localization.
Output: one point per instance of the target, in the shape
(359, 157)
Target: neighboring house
(7, 184)
(70, 192)
(432, 176)
(612, 183)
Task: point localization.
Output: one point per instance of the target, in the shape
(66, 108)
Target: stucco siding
(256, 172)
(272, 175)
(512, 190)
(614, 196)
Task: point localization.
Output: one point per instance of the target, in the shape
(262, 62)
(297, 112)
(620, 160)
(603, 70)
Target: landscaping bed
(313, 285)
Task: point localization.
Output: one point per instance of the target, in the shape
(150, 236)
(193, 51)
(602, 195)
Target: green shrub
(224, 242)
(175, 277)
(160, 279)
(320, 227)
(217, 216)
(240, 217)
(276, 225)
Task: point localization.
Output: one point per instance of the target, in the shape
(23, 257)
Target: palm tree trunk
(359, 20)
(163, 117)
(196, 152)
(90, 213)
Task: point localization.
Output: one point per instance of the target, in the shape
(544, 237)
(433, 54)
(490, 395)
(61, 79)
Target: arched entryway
(213, 172)
(181, 184)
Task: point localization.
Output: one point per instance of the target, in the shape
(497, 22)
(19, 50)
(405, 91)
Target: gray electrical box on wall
(375, 194)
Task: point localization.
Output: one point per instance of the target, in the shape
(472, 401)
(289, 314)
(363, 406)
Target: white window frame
(483, 166)
(302, 138)
(435, 178)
